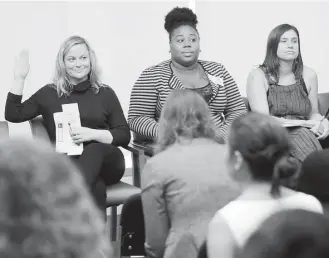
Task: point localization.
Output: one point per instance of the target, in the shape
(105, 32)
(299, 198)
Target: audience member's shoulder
(310, 202)
(155, 165)
(220, 148)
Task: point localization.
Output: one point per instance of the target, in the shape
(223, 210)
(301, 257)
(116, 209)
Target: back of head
(180, 16)
(314, 176)
(185, 115)
(264, 145)
(290, 234)
(46, 210)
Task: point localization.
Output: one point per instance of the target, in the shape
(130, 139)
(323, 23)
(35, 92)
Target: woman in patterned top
(286, 89)
(183, 71)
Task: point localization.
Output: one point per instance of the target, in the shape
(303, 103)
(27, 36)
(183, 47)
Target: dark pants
(325, 143)
(101, 165)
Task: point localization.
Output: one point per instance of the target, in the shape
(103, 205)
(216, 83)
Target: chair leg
(139, 160)
(119, 240)
(136, 169)
(113, 223)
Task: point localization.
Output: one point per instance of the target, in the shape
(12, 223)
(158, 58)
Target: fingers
(322, 135)
(24, 53)
(320, 131)
(77, 139)
(315, 131)
(74, 131)
(24, 57)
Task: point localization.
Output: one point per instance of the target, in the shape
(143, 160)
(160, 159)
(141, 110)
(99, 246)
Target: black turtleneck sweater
(97, 111)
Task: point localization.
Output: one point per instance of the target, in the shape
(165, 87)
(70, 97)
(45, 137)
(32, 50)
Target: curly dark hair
(180, 16)
(46, 209)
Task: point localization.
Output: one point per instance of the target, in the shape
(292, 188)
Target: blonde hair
(185, 115)
(62, 79)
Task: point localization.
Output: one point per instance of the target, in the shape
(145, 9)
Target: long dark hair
(271, 63)
(265, 147)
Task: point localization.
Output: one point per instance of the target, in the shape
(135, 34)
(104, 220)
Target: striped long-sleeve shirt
(155, 84)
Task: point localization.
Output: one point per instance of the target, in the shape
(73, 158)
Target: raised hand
(22, 65)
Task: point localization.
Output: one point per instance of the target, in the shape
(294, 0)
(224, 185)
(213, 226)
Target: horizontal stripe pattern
(155, 84)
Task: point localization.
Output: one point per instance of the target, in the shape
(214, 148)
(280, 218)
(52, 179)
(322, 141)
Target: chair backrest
(132, 227)
(323, 100)
(245, 100)
(37, 128)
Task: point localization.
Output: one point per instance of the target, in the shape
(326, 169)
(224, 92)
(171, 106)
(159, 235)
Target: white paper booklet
(294, 123)
(70, 117)
(61, 128)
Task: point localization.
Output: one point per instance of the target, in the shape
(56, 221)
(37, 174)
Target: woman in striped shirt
(183, 71)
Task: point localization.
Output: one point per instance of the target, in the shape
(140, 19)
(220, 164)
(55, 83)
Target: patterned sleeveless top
(205, 92)
(288, 101)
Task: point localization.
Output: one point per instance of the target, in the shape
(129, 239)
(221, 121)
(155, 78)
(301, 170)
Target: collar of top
(82, 86)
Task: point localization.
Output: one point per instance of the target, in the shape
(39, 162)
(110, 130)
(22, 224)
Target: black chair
(132, 227)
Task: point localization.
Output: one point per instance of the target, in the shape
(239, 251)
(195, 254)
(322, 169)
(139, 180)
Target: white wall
(235, 33)
(128, 36)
